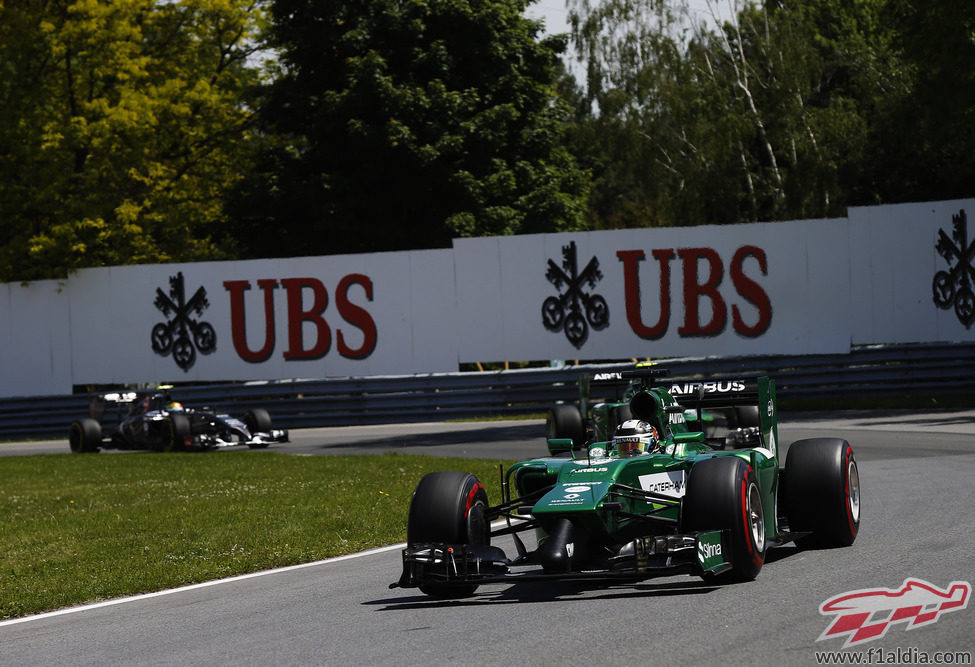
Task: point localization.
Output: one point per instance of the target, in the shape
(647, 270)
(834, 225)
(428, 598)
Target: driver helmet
(174, 406)
(635, 437)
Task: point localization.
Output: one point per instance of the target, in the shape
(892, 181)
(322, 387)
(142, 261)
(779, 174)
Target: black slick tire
(85, 436)
(448, 507)
(565, 421)
(822, 492)
(722, 493)
(258, 421)
(176, 430)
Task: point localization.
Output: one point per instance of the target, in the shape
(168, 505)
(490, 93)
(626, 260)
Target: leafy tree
(120, 129)
(774, 115)
(400, 125)
(927, 151)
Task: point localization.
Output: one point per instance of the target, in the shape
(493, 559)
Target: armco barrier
(868, 372)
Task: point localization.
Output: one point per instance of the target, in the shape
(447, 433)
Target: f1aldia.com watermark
(893, 656)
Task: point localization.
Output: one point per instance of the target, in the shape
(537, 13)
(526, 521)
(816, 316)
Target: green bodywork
(592, 486)
(702, 500)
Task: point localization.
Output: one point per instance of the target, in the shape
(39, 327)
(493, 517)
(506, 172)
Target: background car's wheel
(565, 421)
(176, 430)
(85, 435)
(448, 507)
(822, 491)
(258, 421)
(747, 416)
(723, 493)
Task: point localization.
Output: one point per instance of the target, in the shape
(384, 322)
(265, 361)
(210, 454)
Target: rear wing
(96, 406)
(715, 393)
(734, 394)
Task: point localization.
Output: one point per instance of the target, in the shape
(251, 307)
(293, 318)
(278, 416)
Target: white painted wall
(814, 286)
(35, 356)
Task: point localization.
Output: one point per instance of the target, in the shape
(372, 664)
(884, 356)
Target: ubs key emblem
(574, 310)
(954, 286)
(181, 334)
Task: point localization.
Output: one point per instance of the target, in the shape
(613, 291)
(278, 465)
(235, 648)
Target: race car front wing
(643, 558)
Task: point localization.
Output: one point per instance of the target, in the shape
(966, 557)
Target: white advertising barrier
(772, 288)
(887, 274)
(913, 272)
(264, 319)
(35, 339)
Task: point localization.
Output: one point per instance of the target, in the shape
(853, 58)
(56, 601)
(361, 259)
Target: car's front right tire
(723, 494)
(448, 507)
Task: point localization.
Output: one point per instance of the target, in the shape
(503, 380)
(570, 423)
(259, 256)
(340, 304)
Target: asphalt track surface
(917, 476)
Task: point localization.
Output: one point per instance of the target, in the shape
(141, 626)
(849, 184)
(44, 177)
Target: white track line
(204, 584)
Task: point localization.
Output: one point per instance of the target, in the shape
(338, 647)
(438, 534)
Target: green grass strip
(78, 529)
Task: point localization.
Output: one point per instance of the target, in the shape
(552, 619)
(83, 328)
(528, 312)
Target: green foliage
(929, 146)
(80, 528)
(129, 129)
(120, 130)
(779, 113)
(401, 125)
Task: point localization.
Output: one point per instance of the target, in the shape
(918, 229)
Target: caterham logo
(182, 335)
(953, 288)
(574, 310)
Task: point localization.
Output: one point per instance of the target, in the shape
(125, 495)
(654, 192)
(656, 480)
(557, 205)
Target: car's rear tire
(258, 421)
(565, 421)
(822, 491)
(448, 507)
(85, 436)
(722, 493)
(746, 416)
(175, 431)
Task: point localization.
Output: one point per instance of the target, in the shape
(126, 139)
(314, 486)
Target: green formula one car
(658, 498)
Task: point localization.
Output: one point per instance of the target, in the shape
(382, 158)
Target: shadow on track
(551, 591)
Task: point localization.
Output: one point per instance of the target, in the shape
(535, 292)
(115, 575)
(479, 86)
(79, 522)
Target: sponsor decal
(591, 461)
(589, 470)
(865, 615)
(181, 335)
(703, 271)
(303, 314)
(607, 377)
(671, 483)
(575, 489)
(675, 418)
(709, 553)
(574, 310)
(597, 452)
(953, 288)
(690, 388)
